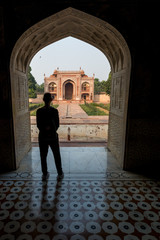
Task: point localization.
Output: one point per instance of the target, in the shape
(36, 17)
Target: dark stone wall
(138, 22)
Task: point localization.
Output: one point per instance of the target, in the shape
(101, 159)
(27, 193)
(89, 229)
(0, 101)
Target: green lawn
(33, 107)
(92, 110)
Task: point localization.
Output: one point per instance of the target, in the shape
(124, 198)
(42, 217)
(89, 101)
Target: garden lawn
(33, 108)
(92, 110)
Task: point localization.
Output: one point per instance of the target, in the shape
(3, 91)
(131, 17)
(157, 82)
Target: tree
(103, 86)
(40, 88)
(31, 84)
(97, 86)
(32, 93)
(108, 84)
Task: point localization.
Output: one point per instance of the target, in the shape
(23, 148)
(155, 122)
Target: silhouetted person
(48, 123)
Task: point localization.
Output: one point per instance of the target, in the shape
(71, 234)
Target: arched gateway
(71, 22)
(71, 85)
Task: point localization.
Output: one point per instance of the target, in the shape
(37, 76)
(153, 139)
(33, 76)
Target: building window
(85, 87)
(52, 87)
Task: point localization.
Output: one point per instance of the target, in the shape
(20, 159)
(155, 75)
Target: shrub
(92, 110)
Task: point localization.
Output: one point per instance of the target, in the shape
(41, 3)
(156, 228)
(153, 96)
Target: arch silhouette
(100, 34)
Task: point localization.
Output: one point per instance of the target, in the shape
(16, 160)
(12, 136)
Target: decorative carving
(21, 94)
(117, 95)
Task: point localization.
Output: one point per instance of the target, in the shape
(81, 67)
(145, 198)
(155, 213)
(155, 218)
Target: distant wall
(78, 132)
(39, 99)
(102, 97)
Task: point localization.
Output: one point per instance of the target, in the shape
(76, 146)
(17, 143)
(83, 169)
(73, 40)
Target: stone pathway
(71, 110)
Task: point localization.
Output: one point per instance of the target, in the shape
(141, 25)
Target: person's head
(47, 98)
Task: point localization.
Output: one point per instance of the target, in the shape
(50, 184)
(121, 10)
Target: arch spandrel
(70, 22)
(98, 33)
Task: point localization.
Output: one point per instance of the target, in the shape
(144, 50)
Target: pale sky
(70, 54)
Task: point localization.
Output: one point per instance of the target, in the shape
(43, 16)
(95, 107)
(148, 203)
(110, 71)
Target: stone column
(60, 89)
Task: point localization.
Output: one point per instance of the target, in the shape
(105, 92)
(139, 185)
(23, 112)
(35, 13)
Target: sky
(70, 54)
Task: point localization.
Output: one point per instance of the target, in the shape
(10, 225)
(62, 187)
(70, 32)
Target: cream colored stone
(78, 132)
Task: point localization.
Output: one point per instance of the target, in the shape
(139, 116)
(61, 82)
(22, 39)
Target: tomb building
(70, 86)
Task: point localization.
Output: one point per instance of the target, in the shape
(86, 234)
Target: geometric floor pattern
(75, 208)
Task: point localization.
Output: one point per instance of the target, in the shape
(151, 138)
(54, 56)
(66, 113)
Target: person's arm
(56, 119)
(38, 119)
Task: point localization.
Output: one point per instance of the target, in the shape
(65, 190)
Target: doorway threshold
(77, 144)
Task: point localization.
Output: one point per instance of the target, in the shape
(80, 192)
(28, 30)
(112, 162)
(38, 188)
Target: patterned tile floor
(111, 205)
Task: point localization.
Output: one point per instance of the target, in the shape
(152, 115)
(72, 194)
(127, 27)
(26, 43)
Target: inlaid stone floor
(74, 160)
(106, 205)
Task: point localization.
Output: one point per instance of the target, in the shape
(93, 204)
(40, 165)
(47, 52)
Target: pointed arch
(100, 34)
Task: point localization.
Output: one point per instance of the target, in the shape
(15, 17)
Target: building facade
(70, 86)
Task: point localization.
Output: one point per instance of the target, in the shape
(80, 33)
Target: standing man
(48, 122)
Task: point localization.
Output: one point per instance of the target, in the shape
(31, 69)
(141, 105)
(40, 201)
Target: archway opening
(71, 22)
(69, 91)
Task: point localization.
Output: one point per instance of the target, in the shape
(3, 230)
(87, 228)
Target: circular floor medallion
(78, 237)
(60, 227)
(62, 205)
(73, 183)
(24, 237)
(7, 205)
(2, 196)
(95, 183)
(113, 237)
(136, 215)
(44, 227)
(156, 205)
(126, 227)
(8, 183)
(75, 205)
(24, 196)
(87, 197)
(76, 227)
(31, 215)
(109, 227)
(125, 197)
(46, 215)
(60, 237)
(121, 215)
(16, 215)
(130, 205)
(89, 205)
(116, 206)
(93, 227)
(144, 205)
(131, 237)
(106, 215)
(75, 197)
(12, 227)
(84, 183)
(12, 196)
(8, 237)
(61, 215)
(91, 215)
(28, 227)
(76, 215)
(86, 190)
(152, 216)
(156, 227)
(143, 227)
(102, 206)
(149, 237)
(3, 214)
(106, 183)
(112, 197)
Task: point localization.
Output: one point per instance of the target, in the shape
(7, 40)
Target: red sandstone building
(70, 86)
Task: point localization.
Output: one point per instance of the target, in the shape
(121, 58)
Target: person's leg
(43, 154)
(57, 157)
